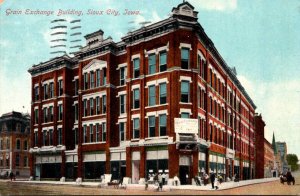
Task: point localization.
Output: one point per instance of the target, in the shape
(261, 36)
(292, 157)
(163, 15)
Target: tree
(292, 160)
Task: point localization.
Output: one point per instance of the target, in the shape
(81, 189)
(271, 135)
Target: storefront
(94, 165)
(202, 163)
(118, 165)
(217, 164)
(71, 166)
(237, 167)
(246, 170)
(48, 166)
(157, 160)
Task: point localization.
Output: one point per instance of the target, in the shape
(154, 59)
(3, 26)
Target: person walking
(163, 178)
(160, 182)
(212, 179)
(11, 175)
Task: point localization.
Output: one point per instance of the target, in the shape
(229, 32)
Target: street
(270, 188)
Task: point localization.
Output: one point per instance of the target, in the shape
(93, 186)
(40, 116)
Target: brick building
(14, 143)
(120, 108)
(259, 145)
(270, 168)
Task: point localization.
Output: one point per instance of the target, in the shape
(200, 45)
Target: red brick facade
(259, 144)
(188, 79)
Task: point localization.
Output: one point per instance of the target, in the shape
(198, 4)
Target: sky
(260, 38)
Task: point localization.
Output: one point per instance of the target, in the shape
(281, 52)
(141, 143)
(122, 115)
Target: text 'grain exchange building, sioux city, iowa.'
(161, 100)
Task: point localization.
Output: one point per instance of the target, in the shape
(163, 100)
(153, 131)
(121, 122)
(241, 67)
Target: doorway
(135, 172)
(184, 174)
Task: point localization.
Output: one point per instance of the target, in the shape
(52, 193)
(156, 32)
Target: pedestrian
(160, 182)
(163, 178)
(176, 180)
(11, 175)
(288, 177)
(212, 179)
(197, 181)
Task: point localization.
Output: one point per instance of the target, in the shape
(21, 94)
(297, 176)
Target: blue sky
(261, 38)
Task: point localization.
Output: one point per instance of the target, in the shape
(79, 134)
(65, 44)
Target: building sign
(186, 125)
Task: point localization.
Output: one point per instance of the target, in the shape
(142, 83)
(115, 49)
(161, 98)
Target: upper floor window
(45, 114)
(152, 64)
(60, 112)
(97, 105)
(185, 91)
(91, 106)
(25, 147)
(152, 95)
(18, 145)
(136, 68)
(36, 93)
(185, 53)
(185, 115)
(51, 137)
(17, 159)
(91, 133)
(122, 131)
(46, 91)
(104, 77)
(76, 111)
(104, 104)
(162, 61)
(97, 133)
(85, 107)
(51, 113)
(122, 104)
(92, 80)
(45, 138)
(86, 81)
(103, 132)
(85, 138)
(98, 77)
(35, 138)
(162, 93)
(136, 128)
(51, 85)
(76, 86)
(60, 88)
(162, 125)
(59, 136)
(151, 121)
(122, 76)
(136, 98)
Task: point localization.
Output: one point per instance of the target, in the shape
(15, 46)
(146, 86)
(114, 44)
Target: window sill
(157, 137)
(153, 106)
(91, 143)
(135, 140)
(135, 109)
(189, 103)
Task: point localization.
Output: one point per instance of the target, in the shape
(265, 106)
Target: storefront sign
(186, 125)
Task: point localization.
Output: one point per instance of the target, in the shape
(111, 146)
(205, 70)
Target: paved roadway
(269, 188)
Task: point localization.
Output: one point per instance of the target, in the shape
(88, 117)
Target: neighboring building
(281, 156)
(269, 160)
(15, 143)
(162, 99)
(259, 146)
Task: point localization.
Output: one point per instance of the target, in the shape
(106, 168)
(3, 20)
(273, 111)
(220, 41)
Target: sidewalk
(223, 186)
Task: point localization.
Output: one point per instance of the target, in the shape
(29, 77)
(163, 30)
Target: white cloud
(278, 101)
(5, 43)
(218, 5)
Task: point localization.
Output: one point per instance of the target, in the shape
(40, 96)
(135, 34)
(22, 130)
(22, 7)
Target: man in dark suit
(212, 179)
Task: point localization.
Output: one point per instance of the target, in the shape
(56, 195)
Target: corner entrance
(185, 169)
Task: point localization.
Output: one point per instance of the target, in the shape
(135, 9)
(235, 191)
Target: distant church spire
(274, 144)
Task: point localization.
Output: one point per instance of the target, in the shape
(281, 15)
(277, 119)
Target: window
(152, 64)
(18, 145)
(136, 128)
(103, 132)
(122, 131)
(59, 136)
(185, 86)
(51, 137)
(185, 53)
(45, 138)
(136, 68)
(76, 136)
(136, 98)
(60, 88)
(122, 76)
(76, 112)
(151, 121)
(84, 107)
(7, 143)
(185, 115)
(60, 112)
(92, 80)
(98, 77)
(151, 95)
(104, 104)
(122, 104)
(36, 138)
(97, 132)
(91, 133)
(86, 81)
(104, 76)
(51, 90)
(76, 86)
(162, 61)
(17, 160)
(162, 125)
(45, 114)
(45, 91)
(162, 93)
(51, 113)
(97, 105)
(84, 134)
(36, 93)
(36, 116)
(91, 106)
